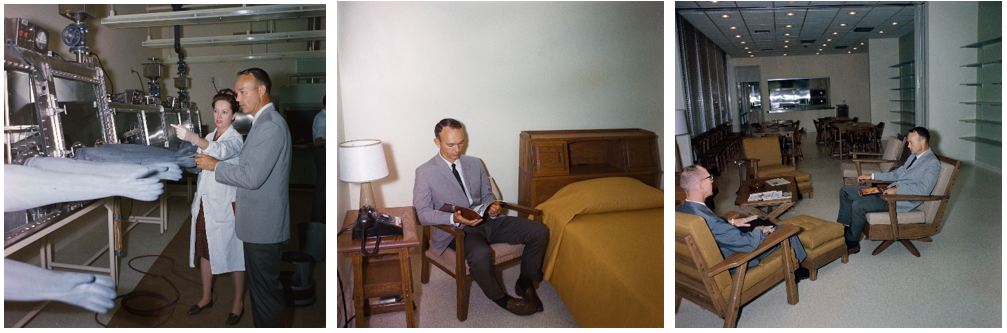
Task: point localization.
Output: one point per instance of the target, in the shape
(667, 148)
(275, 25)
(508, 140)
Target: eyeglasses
(709, 177)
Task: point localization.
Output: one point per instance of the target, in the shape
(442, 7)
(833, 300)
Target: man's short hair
(689, 177)
(261, 76)
(446, 122)
(922, 132)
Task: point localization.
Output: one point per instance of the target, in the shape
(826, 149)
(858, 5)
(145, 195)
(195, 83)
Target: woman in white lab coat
(212, 239)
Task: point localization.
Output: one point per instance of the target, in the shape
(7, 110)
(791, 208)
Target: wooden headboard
(550, 160)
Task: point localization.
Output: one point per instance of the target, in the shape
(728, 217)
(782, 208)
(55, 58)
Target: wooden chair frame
(462, 283)
(712, 299)
(906, 233)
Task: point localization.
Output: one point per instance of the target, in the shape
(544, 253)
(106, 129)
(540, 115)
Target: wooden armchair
(918, 224)
(764, 159)
(888, 160)
(456, 266)
(702, 273)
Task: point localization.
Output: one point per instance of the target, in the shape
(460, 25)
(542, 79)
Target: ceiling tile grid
(779, 28)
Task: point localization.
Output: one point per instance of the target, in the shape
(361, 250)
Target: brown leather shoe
(530, 295)
(853, 250)
(520, 307)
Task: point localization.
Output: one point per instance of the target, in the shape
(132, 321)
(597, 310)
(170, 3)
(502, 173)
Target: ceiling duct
(864, 29)
(239, 39)
(222, 15)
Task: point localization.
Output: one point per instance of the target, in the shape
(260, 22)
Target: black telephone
(371, 224)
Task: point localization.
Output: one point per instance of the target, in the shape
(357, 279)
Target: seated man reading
(698, 185)
(918, 177)
(453, 178)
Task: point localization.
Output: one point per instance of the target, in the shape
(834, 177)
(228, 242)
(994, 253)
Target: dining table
(787, 133)
(846, 127)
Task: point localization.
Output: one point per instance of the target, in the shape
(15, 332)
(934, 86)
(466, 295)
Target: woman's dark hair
(228, 95)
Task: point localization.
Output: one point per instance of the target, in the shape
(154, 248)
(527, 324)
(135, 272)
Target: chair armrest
(524, 210)
(454, 231)
(871, 182)
(855, 154)
(742, 258)
(731, 215)
(871, 160)
(908, 197)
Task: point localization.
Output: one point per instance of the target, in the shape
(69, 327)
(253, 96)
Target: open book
(873, 190)
(477, 212)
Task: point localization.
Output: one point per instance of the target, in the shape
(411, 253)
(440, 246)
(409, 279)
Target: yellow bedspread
(606, 252)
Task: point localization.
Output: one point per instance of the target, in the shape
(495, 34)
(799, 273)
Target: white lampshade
(681, 124)
(362, 161)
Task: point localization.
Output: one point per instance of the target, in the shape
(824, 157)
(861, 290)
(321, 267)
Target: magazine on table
(777, 182)
(769, 195)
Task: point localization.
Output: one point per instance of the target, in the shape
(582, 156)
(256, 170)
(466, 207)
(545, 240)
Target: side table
(385, 274)
(755, 207)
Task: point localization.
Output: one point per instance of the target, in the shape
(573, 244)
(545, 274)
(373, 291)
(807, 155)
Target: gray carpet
(957, 281)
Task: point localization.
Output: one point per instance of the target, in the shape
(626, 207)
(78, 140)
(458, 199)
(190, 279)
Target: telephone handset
(371, 224)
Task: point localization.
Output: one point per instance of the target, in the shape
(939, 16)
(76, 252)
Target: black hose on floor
(165, 310)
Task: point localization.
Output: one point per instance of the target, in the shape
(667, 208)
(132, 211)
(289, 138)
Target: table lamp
(362, 161)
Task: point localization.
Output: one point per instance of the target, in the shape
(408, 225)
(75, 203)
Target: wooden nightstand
(387, 273)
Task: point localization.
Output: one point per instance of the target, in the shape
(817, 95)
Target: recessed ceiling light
(818, 53)
(895, 23)
(714, 1)
(725, 16)
(881, 32)
(749, 52)
(786, 46)
(835, 32)
(825, 44)
(819, 49)
(743, 42)
(828, 40)
(849, 52)
(746, 47)
(861, 43)
(751, 55)
(853, 13)
(786, 41)
(842, 24)
(787, 34)
(737, 36)
(854, 48)
(788, 26)
(784, 54)
(734, 28)
(790, 14)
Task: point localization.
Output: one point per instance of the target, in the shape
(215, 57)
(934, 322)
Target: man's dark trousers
(853, 209)
(510, 230)
(262, 269)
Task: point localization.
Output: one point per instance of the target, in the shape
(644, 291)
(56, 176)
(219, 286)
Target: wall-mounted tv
(798, 94)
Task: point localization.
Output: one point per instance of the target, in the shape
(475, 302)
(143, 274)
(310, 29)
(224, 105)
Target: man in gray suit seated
(698, 185)
(262, 208)
(917, 177)
(450, 177)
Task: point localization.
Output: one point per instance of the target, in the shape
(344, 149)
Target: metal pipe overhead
(207, 16)
(239, 39)
(261, 56)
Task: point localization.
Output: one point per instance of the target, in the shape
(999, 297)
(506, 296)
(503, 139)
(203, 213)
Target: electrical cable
(111, 87)
(138, 78)
(166, 310)
(17, 49)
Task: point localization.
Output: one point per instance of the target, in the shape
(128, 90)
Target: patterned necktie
(911, 162)
(459, 178)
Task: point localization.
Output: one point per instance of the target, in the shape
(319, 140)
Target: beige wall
(500, 68)
(951, 25)
(884, 52)
(849, 80)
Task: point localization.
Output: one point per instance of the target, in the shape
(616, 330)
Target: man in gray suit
(698, 185)
(917, 177)
(262, 217)
(450, 177)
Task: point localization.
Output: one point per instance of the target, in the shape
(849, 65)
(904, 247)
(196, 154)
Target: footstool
(823, 241)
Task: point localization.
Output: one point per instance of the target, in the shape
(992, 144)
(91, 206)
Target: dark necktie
(459, 178)
(911, 162)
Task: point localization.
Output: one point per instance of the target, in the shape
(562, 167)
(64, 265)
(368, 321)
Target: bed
(606, 251)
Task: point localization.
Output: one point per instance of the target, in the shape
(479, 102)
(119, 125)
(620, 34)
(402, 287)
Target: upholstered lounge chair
(764, 159)
(918, 224)
(702, 273)
(864, 164)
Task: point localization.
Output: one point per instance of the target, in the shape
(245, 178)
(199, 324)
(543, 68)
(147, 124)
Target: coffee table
(756, 207)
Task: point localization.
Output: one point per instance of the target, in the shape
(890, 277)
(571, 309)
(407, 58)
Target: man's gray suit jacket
(435, 185)
(262, 208)
(918, 180)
